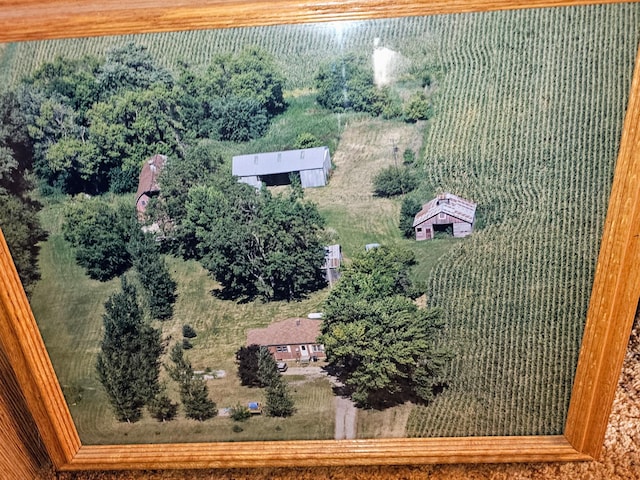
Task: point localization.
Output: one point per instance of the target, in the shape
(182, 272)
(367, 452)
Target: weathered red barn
(446, 211)
(148, 182)
(290, 339)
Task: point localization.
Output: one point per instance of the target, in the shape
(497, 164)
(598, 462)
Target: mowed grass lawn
(69, 306)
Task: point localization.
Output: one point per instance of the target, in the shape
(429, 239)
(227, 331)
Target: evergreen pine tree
(162, 408)
(247, 360)
(158, 287)
(128, 363)
(194, 393)
(278, 400)
(198, 405)
(267, 368)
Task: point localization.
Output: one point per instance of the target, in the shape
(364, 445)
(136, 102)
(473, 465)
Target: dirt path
(346, 412)
(346, 416)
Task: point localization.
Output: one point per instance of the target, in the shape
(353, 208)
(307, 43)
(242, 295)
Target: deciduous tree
(392, 181)
(346, 84)
(99, 234)
(130, 67)
(382, 345)
(18, 211)
(255, 243)
(408, 210)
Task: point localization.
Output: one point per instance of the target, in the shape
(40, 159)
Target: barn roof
(291, 331)
(447, 203)
(278, 162)
(151, 169)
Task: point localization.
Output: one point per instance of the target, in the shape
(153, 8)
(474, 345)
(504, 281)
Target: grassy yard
(69, 305)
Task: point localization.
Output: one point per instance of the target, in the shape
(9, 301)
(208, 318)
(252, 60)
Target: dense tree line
(108, 240)
(346, 84)
(18, 210)
(381, 344)
(93, 121)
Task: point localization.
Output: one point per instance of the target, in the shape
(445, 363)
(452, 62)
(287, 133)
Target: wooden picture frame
(613, 304)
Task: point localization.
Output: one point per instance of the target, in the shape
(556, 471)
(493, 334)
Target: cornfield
(528, 116)
(528, 126)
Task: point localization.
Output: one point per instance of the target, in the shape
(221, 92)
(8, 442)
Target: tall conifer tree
(128, 363)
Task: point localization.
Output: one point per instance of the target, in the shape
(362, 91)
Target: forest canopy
(92, 122)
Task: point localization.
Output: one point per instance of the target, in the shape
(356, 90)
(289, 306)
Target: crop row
(298, 48)
(528, 126)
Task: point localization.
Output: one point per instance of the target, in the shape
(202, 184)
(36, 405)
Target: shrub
(188, 331)
(392, 181)
(408, 157)
(162, 408)
(306, 140)
(186, 344)
(240, 413)
(417, 108)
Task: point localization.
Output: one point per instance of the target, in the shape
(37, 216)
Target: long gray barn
(273, 168)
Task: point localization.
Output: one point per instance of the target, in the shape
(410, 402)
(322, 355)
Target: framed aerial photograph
(327, 234)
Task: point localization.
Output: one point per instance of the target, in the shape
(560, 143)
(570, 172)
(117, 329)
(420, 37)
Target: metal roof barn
(445, 211)
(273, 168)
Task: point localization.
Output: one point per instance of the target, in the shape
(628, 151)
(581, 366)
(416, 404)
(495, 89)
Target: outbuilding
(446, 212)
(290, 339)
(148, 181)
(312, 165)
(332, 262)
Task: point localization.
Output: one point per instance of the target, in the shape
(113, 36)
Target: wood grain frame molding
(614, 298)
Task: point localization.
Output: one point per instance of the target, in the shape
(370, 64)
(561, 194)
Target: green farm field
(528, 114)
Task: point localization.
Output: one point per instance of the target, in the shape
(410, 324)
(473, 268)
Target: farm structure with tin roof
(274, 168)
(332, 262)
(290, 339)
(148, 181)
(445, 212)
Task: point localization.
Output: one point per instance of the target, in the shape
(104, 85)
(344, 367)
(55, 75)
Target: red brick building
(291, 339)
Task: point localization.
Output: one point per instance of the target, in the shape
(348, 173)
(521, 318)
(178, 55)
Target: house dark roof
(278, 162)
(447, 203)
(151, 169)
(292, 331)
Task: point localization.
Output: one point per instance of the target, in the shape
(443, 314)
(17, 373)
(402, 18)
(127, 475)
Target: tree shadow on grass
(225, 294)
(382, 399)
